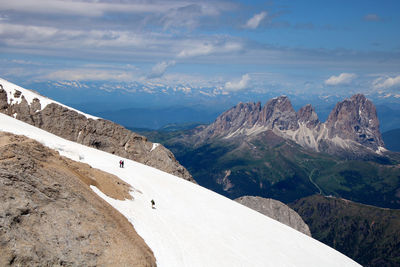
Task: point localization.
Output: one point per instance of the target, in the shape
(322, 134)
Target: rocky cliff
(277, 211)
(355, 119)
(50, 217)
(352, 127)
(73, 125)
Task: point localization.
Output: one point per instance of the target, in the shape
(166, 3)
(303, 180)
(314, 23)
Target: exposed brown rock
(277, 211)
(50, 217)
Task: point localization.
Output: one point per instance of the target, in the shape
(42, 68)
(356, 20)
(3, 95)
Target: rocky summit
(352, 127)
(355, 119)
(39, 111)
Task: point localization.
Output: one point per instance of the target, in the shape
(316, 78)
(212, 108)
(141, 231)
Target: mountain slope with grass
(368, 234)
(270, 166)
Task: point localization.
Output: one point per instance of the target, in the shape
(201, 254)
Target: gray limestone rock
(351, 131)
(308, 116)
(356, 119)
(279, 113)
(277, 211)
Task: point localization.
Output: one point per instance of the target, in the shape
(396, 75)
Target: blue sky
(305, 46)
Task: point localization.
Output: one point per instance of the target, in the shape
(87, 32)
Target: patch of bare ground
(50, 217)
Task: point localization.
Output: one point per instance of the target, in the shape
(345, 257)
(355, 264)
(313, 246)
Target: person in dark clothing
(122, 163)
(153, 204)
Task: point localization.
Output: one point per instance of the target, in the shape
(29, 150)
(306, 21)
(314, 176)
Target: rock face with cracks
(50, 217)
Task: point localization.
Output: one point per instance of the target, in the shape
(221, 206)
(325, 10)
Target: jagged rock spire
(352, 125)
(307, 115)
(279, 113)
(356, 119)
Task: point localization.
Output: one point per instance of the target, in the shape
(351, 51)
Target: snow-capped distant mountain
(192, 226)
(16, 94)
(101, 97)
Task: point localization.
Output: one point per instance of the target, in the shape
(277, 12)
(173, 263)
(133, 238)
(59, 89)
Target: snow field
(192, 226)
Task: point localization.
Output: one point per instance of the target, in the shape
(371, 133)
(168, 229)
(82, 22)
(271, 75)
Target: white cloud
(89, 75)
(343, 78)
(253, 22)
(238, 85)
(372, 17)
(24, 35)
(159, 69)
(188, 16)
(386, 82)
(194, 49)
(85, 8)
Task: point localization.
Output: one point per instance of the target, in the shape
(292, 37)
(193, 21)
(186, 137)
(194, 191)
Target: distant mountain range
(273, 151)
(113, 100)
(265, 151)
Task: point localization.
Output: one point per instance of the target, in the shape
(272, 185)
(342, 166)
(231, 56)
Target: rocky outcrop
(356, 119)
(243, 115)
(352, 128)
(279, 114)
(277, 211)
(307, 116)
(50, 217)
(101, 134)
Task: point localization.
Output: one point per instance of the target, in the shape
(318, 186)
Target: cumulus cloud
(343, 78)
(255, 21)
(238, 85)
(159, 69)
(386, 82)
(372, 17)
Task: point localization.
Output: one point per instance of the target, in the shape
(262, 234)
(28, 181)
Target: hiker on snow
(153, 203)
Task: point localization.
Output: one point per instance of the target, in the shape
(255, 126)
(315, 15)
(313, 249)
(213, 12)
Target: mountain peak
(308, 116)
(279, 113)
(352, 126)
(356, 119)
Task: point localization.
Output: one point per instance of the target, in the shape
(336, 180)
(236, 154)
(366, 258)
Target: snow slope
(192, 226)
(29, 95)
